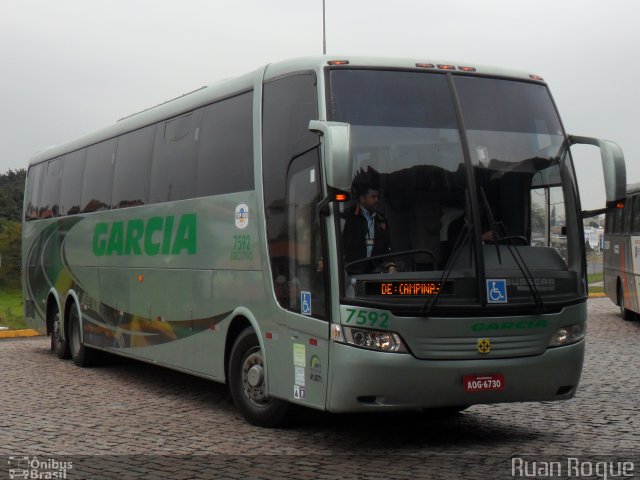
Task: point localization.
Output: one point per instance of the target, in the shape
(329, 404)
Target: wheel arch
(241, 318)
(53, 305)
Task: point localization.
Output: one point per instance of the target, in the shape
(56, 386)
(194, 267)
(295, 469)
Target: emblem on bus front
(484, 345)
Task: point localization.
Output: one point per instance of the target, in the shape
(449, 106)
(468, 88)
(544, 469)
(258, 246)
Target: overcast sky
(72, 66)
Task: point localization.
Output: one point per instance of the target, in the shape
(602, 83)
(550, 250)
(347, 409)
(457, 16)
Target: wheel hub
(56, 330)
(253, 378)
(255, 375)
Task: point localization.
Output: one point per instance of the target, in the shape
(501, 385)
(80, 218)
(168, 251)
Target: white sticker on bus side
(242, 216)
(298, 392)
(299, 355)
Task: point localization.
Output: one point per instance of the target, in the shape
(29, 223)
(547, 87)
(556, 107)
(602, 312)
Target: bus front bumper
(365, 380)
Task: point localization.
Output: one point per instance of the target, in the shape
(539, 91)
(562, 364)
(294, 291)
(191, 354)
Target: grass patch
(11, 313)
(595, 277)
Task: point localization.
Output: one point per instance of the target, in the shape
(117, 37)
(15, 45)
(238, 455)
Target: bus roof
(316, 63)
(229, 87)
(633, 188)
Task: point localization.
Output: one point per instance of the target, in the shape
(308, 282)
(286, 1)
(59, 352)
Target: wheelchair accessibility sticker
(497, 291)
(305, 303)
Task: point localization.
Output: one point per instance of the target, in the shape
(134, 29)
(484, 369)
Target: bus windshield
(457, 182)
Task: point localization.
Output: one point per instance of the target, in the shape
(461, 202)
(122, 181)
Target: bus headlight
(381, 341)
(568, 335)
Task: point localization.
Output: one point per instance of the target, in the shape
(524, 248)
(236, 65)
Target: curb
(18, 333)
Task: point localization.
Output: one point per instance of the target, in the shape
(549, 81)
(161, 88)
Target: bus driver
(366, 232)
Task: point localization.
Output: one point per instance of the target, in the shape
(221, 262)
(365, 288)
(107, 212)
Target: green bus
(222, 234)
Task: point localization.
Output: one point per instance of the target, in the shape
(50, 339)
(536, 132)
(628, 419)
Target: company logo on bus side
(151, 236)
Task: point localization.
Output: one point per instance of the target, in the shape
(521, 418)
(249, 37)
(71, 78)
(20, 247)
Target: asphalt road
(130, 420)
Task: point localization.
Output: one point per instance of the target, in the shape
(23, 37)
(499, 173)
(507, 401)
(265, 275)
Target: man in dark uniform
(366, 232)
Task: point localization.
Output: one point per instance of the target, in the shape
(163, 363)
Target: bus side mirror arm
(613, 166)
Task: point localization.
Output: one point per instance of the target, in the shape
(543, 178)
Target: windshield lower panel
(413, 233)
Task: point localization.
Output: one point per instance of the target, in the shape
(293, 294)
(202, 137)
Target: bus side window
(71, 188)
(635, 222)
(288, 105)
(133, 164)
(34, 187)
(173, 169)
(617, 221)
(225, 156)
(98, 176)
(627, 215)
(304, 271)
(50, 198)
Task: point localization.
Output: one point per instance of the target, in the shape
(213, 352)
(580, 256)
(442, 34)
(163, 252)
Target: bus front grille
(464, 348)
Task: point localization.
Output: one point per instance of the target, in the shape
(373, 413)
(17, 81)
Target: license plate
(483, 383)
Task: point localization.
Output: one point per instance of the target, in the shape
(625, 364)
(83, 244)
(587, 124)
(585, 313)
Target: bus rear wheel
(59, 344)
(81, 355)
(247, 383)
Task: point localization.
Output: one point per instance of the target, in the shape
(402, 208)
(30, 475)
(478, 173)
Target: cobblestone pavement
(131, 420)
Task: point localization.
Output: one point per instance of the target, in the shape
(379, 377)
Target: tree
(11, 194)
(10, 251)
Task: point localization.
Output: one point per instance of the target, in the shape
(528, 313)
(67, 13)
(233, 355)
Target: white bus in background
(621, 255)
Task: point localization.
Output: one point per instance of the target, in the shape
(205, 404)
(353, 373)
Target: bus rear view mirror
(337, 152)
(613, 167)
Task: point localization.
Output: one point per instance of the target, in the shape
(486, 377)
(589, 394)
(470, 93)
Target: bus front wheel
(247, 383)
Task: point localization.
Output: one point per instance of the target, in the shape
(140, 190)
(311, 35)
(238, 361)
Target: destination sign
(405, 289)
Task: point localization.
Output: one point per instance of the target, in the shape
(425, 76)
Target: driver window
(300, 276)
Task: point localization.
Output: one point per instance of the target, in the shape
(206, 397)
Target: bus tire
(625, 314)
(247, 386)
(81, 355)
(59, 345)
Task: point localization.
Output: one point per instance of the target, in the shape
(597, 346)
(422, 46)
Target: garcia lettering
(153, 236)
(518, 325)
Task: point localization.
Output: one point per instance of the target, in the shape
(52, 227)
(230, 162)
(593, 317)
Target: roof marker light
(425, 65)
(446, 67)
(536, 77)
(338, 62)
(467, 69)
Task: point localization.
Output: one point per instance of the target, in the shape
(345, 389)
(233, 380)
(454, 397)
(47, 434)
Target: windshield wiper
(500, 235)
(463, 236)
